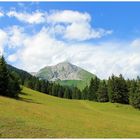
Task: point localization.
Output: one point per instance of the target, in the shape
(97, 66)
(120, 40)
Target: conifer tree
(93, 87)
(4, 77)
(9, 84)
(118, 90)
(134, 94)
(67, 93)
(102, 94)
(84, 94)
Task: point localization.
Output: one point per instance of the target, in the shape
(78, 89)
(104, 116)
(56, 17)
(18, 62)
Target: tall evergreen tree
(9, 84)
(134, 94)
(67, 93)
(76, 93)
(43, 86)
(84, 94)
(4, 77)
(118, 90)
(93, 87)
(102, 93)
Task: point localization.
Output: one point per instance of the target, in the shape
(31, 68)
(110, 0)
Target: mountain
(65, 73)
(23, 75)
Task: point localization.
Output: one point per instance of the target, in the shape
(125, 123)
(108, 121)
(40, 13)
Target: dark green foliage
(84, 94)
(43, 86)
(67, 93)
(102, 93)
(93, 87)
(37, 85)
(76, 93)
(118, 90)
(134, 94)
(23, 75)
(9, 82)
(13, 86)
(61, 91)
(55, 89)
(115, 89)
(4, 77)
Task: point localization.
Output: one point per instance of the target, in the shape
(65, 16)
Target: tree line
(116, 89)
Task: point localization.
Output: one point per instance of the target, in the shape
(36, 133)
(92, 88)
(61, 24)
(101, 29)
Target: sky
(101, 37)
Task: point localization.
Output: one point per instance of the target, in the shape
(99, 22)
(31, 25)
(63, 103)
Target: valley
(37, 115)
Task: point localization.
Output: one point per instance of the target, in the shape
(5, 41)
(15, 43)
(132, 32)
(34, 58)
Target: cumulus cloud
(136, 43)
(71, 25)
(32, 18)
(62, 38)
(74, 25)
(103, 59)
(3, 40)
(1, 14)
(15, 36)
(67, 16)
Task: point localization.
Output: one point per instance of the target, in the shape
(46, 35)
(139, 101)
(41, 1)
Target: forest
(115, 90)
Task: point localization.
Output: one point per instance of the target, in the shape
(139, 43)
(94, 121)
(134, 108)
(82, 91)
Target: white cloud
(103, 59)
(32, 18)
(53, 44)
(74, 25)
(83, 31)
(1, 14)
(136, 43)
(70, 25)
(3, 40)
(15, 36)
(67, 16)
(12, 58)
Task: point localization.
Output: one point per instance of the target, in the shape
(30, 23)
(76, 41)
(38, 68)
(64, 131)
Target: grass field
(40, 115)
(74, 83)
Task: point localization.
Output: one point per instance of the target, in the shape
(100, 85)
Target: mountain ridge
(63, 71)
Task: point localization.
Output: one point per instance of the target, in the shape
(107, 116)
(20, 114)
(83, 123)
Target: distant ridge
(63, 71)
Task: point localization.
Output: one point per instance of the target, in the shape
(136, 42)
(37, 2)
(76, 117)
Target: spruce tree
(93, 87)
(134, 94)
(43, 86)
(84, 94)
(9, 84)
(102, 93)
(118, 90)
(67, 93)
(4, 77)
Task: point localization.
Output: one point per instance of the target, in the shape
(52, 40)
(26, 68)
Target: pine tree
(76, 93)
(37, 85)
(61, 92)
(134, 94)
(67, 93)
(102, 94)
(84, 94)
(9, 84)
(4, 77)
(118, 90)
(43, 86)
(93, 87)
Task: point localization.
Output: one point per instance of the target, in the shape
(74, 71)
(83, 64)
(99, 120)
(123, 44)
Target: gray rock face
(63, 71)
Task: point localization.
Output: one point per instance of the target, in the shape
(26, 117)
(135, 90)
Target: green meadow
(37, 115)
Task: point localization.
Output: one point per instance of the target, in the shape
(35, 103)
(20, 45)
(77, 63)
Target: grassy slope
(85, 75)
(40, 115)
(75, 83)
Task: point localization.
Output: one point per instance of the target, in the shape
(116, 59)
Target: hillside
(66, 73)
(41, 115)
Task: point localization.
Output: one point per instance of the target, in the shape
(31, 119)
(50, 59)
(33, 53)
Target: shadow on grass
(22, 93)
(26, 99)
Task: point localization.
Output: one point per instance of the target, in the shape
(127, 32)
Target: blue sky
(102, 37)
